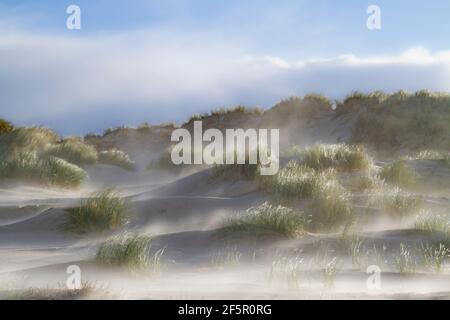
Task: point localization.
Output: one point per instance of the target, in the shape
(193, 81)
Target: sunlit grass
(340, 157)
(103, 210)
(405, 260)
(329, 209)
(24, 157)
(399, 174)
(398, 203)
(287, 270)
(116, 158)
(74, 151)
(296, 181)
(434, 256)
(366, 181)
(281, 220)
(27, 166)
(131, 252)
(433, 223)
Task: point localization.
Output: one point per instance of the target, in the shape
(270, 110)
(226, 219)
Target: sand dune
(183, 216)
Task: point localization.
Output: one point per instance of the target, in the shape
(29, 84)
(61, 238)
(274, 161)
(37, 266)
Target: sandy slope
(183, 215)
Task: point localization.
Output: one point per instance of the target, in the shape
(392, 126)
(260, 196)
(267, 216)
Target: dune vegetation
(75, 151)
(433, 223)
(130, 251)
(226, 111)
(399, 121)
(103, 210)
(5, 126)
(25, 157)
(38, 155)
(117, 158)
(398, 203)
(329, 210)
(266, 217)
(341, 157)
(399, 174)
(296, 181)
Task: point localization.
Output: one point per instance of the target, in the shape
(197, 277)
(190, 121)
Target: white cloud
(75, 84)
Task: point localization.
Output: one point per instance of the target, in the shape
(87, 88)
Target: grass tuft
(433, 257)
(296, 181)
(433, 223)
(29, 167)
(117, 158)
(405, 260)
(339, 156)
(399, 174)
(398, 203)
(130, 251)
(281, 220)
(329, 209)
(104, 210)
(74, 151)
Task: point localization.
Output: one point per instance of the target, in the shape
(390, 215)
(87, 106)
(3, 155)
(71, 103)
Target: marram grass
(278, 219)
(338, 156)
(103, 210)
(74, 151)
(117, 158)
(28, 166)
(131, 252)
(399, 174)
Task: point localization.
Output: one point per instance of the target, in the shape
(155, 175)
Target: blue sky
(155, 61)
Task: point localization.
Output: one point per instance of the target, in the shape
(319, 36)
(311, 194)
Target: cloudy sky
(160, 61)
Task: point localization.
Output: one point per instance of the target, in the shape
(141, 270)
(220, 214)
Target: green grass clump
(5, 126)
(24, 157)
(366, 181)
(434, 256)
(117, 158)
(339, 156)
(405, 260)
(27, 139)
(296, 181)
(399, 174)
(27, 166)
(433, 223)
(281, 220)
(329, 209)
(130, 251)
(398, 203)
(104, 210)
(60, 172)
(74, 151)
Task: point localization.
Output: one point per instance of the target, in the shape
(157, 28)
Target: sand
(183, 214)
